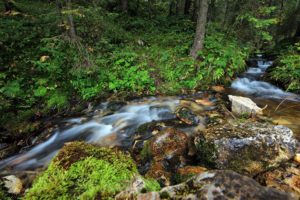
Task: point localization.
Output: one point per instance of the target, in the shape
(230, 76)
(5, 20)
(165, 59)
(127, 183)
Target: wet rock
(142, 135)
(221, 184)
(115, 105)
(136, 186)
(160, 173)
(243, 105)
(197, 108)
(169, 144)
(285, 179)
(190, 170)
(248, 148)
(187, 116)
(13, 184)
(148, 196)
(297, 158)
(7, 150)
(167, 151)
(187, 172)
(218, 88)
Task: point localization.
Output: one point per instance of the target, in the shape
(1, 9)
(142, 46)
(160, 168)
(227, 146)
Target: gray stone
(221, 184)
(244, 105)
(248, 148)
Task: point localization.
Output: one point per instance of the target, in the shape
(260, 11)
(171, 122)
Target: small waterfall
(251, 84)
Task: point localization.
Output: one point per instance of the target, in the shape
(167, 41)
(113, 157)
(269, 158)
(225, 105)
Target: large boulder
(221, 184)
(243, 105)
(248, 148)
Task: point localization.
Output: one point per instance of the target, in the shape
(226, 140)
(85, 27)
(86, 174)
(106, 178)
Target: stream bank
(171, 139)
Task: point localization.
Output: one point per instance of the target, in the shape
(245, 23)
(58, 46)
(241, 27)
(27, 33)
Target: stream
(111, 125)
(283, 107)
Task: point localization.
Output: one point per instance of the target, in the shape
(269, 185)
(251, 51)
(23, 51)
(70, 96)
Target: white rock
(13, 184)
(243, 105)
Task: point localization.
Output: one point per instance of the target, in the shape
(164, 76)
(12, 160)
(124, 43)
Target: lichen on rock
(221, 184)
(247, 148)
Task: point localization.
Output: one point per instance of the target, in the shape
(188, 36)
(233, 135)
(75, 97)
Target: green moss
(146, 151)
(151, 185)
(83, 171)
(3, 194)
(206, 153)
(178, 178)
(250, 160)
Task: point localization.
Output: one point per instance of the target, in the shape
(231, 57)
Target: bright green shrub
(129, 74)
(222, 58)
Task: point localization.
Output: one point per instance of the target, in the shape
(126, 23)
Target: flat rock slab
(243, 105)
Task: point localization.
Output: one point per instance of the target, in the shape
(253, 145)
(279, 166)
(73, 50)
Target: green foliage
(257, 21)
(129, 74)
(83, 171)
(222, 58)
(288, 69)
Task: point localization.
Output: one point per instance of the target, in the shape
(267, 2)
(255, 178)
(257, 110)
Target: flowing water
(283, 107)
(100, 128)
(109, 127)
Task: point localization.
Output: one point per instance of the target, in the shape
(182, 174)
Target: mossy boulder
(248, 148)
(84, 171)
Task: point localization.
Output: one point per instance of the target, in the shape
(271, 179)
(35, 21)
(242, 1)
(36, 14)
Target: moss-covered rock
(248, 148)
(84, 171)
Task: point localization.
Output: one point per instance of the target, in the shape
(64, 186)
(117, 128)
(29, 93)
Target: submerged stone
(188, 117)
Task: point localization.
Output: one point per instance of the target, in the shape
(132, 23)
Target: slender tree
(200, 29)
(124, 5)
(72, 30)
(187, 6)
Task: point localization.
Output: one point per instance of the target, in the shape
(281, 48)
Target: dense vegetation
(57, 54)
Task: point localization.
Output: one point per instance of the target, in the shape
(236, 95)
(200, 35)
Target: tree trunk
(72, 30)
(171, 8)
(187, 6)
(195, 11)
(10, 6)
(211, 9)
(200, 29)
(125, 5)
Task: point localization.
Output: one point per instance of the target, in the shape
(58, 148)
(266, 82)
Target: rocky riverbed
(194, 147)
